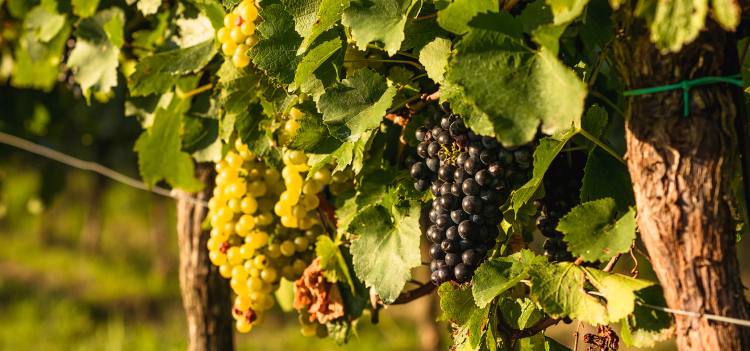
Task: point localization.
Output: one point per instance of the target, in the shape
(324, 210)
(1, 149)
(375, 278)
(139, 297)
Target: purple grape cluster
(562, 194)
(471, 177)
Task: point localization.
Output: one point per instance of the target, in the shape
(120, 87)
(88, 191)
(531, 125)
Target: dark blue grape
(470, 258)
(490, 142)
(472, 165)
(418, 170)
(463, 273)
(449, 245)
(475, 149)
(421, 185)
(443, 221)
(420, 134)
(472, 205)
(452, 233)
(435, 187)
(452, 259)
(446, 273)
(504, 156)
(458, 216)
(470, 187)
(422, 149)
(483, 177)
(462, 157)
(468, 230)
(433, 164)
(445, 173)
(433, 149)
(436, 252)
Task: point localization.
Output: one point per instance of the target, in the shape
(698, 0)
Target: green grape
(288, 248)
(273, 251)
(268, 275)
(301, 244)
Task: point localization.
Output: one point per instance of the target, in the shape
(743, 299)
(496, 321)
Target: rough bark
(682, 170)
(205, 294)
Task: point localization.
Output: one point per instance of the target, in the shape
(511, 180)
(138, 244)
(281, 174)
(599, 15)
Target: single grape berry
(464, 244)
(434, 266)
(452, 233)
(459, 175)
(418, 170)
(462, 140)
(468, 230)
(449, 245)
(420, 134)
(436, 252)
(483, 178)
(496, 169)
(448, 202)
(421, 185)
(433, 215)
(429, 123)
(473, 136)
(436, 131)
(411, 160)
(462, 273)
(472, 165)
(505, 156)
(477, 218)
(444, 138)
(490, 142)
(472, 205)
(435, 235)
(435, 187)
(422, 149)
(475, 149)
(443, 221)
(458, 216)
(433, 164)
(435, 278)
(470, 258)
(487, 156)
(445, 188)
(433, 149)
(522, 155)
(456, 189)
(447, 121)
(445, 173)
(445, 274)
(461, 159)
(445, 106)
(470, 187)
(452, 259)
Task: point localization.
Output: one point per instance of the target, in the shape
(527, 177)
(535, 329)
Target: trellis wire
(92, 166)
(673, 311)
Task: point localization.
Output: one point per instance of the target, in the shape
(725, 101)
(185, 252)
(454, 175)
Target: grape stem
(194, 92)
(418, 66)
(411, 80)
(600, 144)
(423, 17)
(611, 264)
(604, 98)
(394, 109)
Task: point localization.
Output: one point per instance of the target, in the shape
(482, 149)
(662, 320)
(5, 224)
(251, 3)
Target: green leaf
(594, 233)
(304, 12)
(276, 53)
(157, 74)
(237, 86)
(646, 326)
(535, 14)
(310, 134)
(673, 23)
(329, 12)
(325, 47)
(605, 176)
(251, 127)
(378, 21)
(727, 13)
(558, 289)
(356, 105)
(332, 149)
(434, 58)
(387, 248)
(213, 11)
(566, 11)
(143, 108)
(159, 150)
(594, 122)
(346, 209)
(94, 58)
(46, 25)
(55, 6)
(497, 275)
(458, 307)
(475, 119)
(418, 33)
(229, 4)
(42, 72)
(549, 36)
(84, 8)
(455, 18)
(332, 263)
(520, 313)
(148, 7)
(515, 86)
(544, 154)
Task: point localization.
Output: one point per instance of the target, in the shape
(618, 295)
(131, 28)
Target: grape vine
(334, 127)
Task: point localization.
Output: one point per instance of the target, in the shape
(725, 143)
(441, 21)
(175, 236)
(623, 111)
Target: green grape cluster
(248, 242)
(354, 59)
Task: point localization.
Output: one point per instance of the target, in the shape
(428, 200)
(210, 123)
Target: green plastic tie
(685, 85)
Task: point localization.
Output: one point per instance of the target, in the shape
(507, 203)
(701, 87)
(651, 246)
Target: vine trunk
(682, 170)
(205, 294)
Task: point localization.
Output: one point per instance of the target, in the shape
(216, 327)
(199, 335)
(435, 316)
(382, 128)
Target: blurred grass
(55, 295)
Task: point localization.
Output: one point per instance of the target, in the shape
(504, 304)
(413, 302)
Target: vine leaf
(519, 313)
(594, 233)
(456, 16)
(474, 118)
(434, 58)
(676, 23)
(538, 342)
(159, 150)
(558, 289)
(148, 7)
(543, 155)
(356, 105)
(332, 149)
(378, 21)
(304, 12)
(387, 248)
(251, 127)
(497, 275)
(84, 8)
(320, 62)
(332, 263)
(36, 71)
(94, 58)
(565, 11)
(236, 86)
(516, 87)
(645, 326)
(727, 13)
(605, 177)
(594, 122)
(276, 52)
(310, 134)
(158, 73)
(458, 307)
(418, 33)
(329, 12)
(45, 25)
(346, 209)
